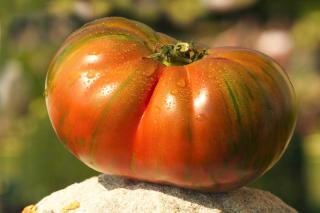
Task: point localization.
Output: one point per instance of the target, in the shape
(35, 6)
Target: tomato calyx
(181, 53)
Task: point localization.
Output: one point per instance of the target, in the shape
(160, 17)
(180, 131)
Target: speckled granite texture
(114, 194)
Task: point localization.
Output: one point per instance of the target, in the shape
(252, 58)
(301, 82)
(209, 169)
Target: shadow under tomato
(206, 199)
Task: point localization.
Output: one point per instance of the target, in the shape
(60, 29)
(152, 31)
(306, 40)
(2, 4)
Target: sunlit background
(32, 161)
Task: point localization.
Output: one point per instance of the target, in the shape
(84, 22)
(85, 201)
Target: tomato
(129, 101)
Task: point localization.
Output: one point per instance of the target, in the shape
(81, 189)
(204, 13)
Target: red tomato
(129, 101)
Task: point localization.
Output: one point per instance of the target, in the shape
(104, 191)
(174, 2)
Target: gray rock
(114, 194)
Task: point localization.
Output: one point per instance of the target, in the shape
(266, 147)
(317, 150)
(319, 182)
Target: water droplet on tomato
(170, 102)
(91, 74)
(174, 92)
(148, 72)
(181, 83)
(157, 109)
(200, 117)
(88, 78)
(108, 89)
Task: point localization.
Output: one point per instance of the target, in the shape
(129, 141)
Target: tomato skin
(214, 125)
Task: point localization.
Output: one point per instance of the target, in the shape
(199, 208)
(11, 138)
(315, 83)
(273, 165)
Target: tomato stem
(181, 53)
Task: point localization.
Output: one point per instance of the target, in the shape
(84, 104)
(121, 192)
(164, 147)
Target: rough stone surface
(115, 194)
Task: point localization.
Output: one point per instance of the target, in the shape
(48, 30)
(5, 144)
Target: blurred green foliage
(32, 161)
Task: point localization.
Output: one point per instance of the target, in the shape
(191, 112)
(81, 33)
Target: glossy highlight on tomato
(129, 101)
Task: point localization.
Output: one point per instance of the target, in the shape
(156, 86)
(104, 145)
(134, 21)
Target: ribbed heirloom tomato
(129, 101)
